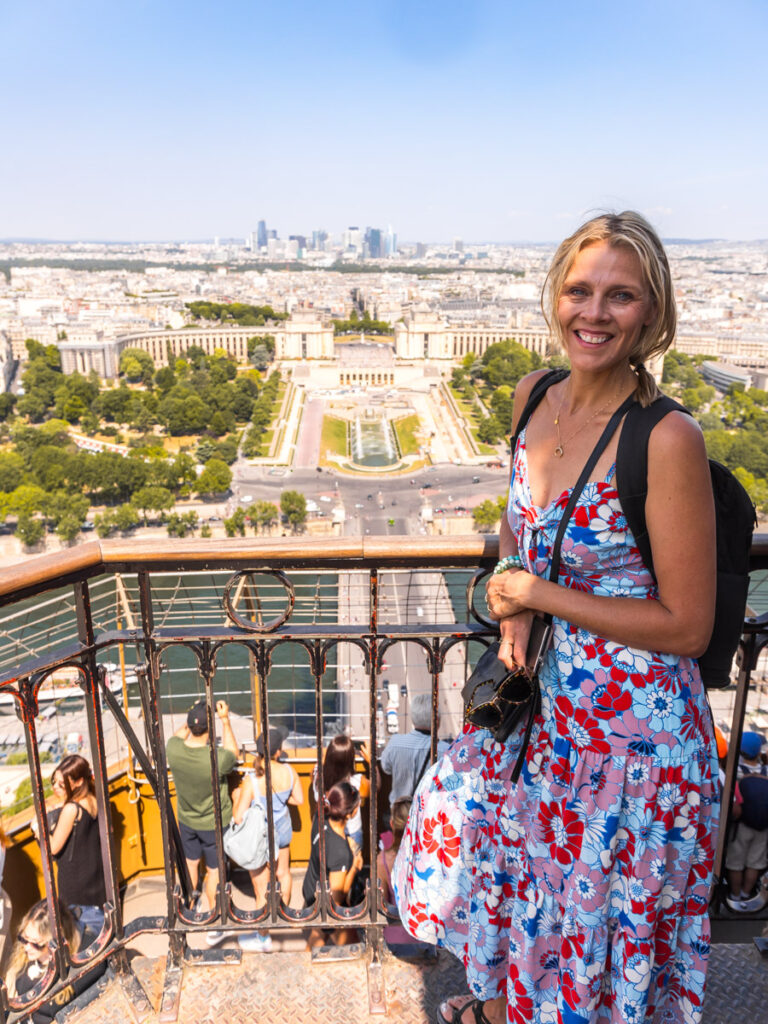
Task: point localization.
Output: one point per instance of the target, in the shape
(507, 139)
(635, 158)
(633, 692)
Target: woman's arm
(243, 797)
(681, 530)
(64, 826)
(297, 793)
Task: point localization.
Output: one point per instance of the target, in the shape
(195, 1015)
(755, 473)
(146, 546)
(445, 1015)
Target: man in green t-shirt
(189, 759)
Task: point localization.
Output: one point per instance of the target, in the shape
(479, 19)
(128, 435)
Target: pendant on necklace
(559, 451)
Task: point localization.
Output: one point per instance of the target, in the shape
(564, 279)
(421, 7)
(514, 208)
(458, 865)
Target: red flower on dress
(441, 839)
(568, 986)
(561, 770)
(587, 733)
(572, 946)
(519, 1003)
(563, 830)
(612, 701)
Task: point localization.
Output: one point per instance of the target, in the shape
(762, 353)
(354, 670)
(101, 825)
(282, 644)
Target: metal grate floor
(289, 988)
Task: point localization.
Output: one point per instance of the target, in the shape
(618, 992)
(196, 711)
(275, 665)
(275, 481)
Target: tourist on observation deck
(189, 759)
(31, 957)
(286, 792)
(580, 892)
(406, 756)
(339, 766)
(342, 862)
(76, 844)
(747, 853)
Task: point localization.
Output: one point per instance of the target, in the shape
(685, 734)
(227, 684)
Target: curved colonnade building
(421, 335)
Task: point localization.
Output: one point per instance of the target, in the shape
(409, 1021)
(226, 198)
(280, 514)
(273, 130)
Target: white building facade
(424, 334)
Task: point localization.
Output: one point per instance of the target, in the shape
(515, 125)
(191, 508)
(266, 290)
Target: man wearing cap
(189, 759)
(747, 852)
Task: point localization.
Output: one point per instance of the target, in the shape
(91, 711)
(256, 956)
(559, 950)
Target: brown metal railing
(257, 610)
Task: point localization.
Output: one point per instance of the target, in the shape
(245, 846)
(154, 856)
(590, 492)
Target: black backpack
(754, 791)
(735, 521)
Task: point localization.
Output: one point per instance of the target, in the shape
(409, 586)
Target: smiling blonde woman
(580, 893)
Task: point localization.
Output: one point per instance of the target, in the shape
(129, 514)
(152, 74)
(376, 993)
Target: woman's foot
(466, 1010)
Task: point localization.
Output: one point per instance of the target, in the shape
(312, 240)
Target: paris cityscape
(367, 342)
(270, 276)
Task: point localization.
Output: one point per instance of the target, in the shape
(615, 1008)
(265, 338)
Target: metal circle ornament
(248, 605)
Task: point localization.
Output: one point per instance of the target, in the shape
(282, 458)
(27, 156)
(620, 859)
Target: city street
(370, 502)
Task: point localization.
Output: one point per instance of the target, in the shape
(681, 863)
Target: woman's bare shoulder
(676, 436)
(523, 392)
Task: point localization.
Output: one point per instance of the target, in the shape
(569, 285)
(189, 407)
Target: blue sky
(492, 121)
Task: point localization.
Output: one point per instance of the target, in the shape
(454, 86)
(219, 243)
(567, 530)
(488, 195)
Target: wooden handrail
(43, 572)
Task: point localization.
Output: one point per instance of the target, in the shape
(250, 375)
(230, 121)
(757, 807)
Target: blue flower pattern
(581, 893)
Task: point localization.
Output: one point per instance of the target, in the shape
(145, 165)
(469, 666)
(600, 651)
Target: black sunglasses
(35, 945)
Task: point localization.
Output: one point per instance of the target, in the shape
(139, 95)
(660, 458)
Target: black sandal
(475, 1005)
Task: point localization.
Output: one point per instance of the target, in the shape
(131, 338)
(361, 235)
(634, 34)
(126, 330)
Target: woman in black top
(76, 845)
(341, 862)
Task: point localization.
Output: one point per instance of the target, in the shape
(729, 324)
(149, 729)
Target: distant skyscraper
(390, 242)
(261, 234)
(319, 238)
(421, 250)
(373, 243)
(458, 245)
(271, 234)
(353, 239)
(300, 241)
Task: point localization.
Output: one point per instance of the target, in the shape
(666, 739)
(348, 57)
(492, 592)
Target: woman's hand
(506, 594)
(515, 632)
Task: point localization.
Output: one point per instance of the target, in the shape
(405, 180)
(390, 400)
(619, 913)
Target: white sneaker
(255, 942)
(214, 938)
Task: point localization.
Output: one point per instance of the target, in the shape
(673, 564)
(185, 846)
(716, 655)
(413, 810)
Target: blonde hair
(38, 916)
(399, 819)
(631, 231)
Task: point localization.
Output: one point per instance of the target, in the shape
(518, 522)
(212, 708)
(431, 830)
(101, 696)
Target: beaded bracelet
(510, 562)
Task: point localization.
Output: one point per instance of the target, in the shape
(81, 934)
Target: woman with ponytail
(580, 892)
(342, 861)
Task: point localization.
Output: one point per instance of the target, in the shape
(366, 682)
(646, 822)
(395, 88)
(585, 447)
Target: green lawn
(333, 438)
(472, 415)
(265, 441)
(405, 429)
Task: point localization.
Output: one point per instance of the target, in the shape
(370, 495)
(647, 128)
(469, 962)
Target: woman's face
(603, 306)
(35, 945)
(57, 785)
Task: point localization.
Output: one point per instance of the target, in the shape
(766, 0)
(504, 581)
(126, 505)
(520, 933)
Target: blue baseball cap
(751, 744)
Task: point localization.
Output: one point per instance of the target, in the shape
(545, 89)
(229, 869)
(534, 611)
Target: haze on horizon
(482, 119)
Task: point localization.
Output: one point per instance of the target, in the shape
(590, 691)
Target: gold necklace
(560, 448)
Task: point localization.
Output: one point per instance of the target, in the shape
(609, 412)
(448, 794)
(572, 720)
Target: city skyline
(486, 121)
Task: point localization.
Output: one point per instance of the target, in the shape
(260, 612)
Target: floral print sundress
(581, 893)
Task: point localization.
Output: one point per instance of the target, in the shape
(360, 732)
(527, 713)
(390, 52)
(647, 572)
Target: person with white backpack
(252, 793)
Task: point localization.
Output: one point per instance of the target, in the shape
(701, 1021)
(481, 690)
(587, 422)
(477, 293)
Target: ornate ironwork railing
(330, 620)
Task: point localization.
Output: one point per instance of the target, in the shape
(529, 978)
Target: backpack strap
(632, 467)
(538, 391)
